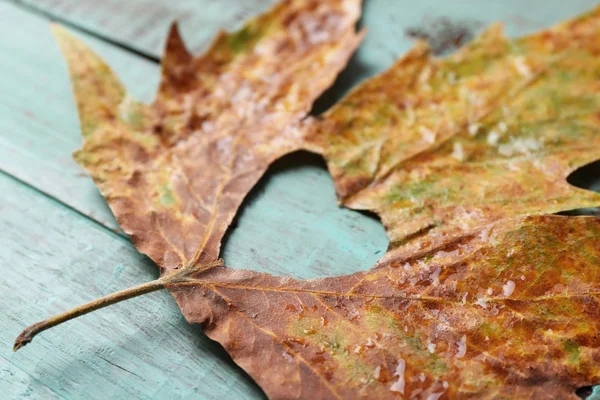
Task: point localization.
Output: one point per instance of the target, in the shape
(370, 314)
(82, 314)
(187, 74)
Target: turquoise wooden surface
(58, 246)
(53, 258)
(39, 128)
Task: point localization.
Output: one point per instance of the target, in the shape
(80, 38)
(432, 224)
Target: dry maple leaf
(474, 298)
(509, 312)
(175, 172)
(438, 147)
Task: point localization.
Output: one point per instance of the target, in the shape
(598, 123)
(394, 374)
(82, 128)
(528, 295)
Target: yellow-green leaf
(438, 147)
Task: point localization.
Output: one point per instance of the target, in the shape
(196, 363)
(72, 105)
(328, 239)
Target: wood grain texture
(39, 128)
(143, 24)
(52, 259)
(38, 132)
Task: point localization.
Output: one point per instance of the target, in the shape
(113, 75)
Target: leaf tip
(175, 47)
(56, 27)
(60, 32)
(175, 63)
(23, 339)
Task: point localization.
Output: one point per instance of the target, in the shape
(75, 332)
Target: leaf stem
(175, 276)
(29, 333)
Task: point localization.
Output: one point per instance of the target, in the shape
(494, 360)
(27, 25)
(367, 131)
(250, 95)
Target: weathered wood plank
(39, 128)
(51, 260)
(22, 385)
(288, 228)
(142, 24)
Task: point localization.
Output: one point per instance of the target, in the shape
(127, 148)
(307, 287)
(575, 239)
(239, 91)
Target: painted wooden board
(142, 24)
(38, 131)
(53, 259)
(39, 128)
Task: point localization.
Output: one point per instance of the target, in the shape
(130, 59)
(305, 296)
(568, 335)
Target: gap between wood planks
(79, 28)
(116, 234)
(120, 45)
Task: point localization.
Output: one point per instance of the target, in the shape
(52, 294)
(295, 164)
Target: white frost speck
(481, 301)
(520, 146)
(522, 277)
(490, 291)
(521, 66)
(435, 276)
(484, 234)
(462, 347)
(502, 126)
(493, 138)
(508, 288)
(425, 74)
(125, 108)
(431, 347)
(318, 36)
(427, 134)
(464, 298)
(287, 356)
(377, 372)
(398, 386)
(442, 254)
(458, 152)
(445, 385)
(435, 396)
(473, 128)
(513, 167)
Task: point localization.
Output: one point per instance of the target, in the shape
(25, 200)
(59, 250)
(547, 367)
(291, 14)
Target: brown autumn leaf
(438, 147)
(175, 172)
(474, 298)
(511, 311)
